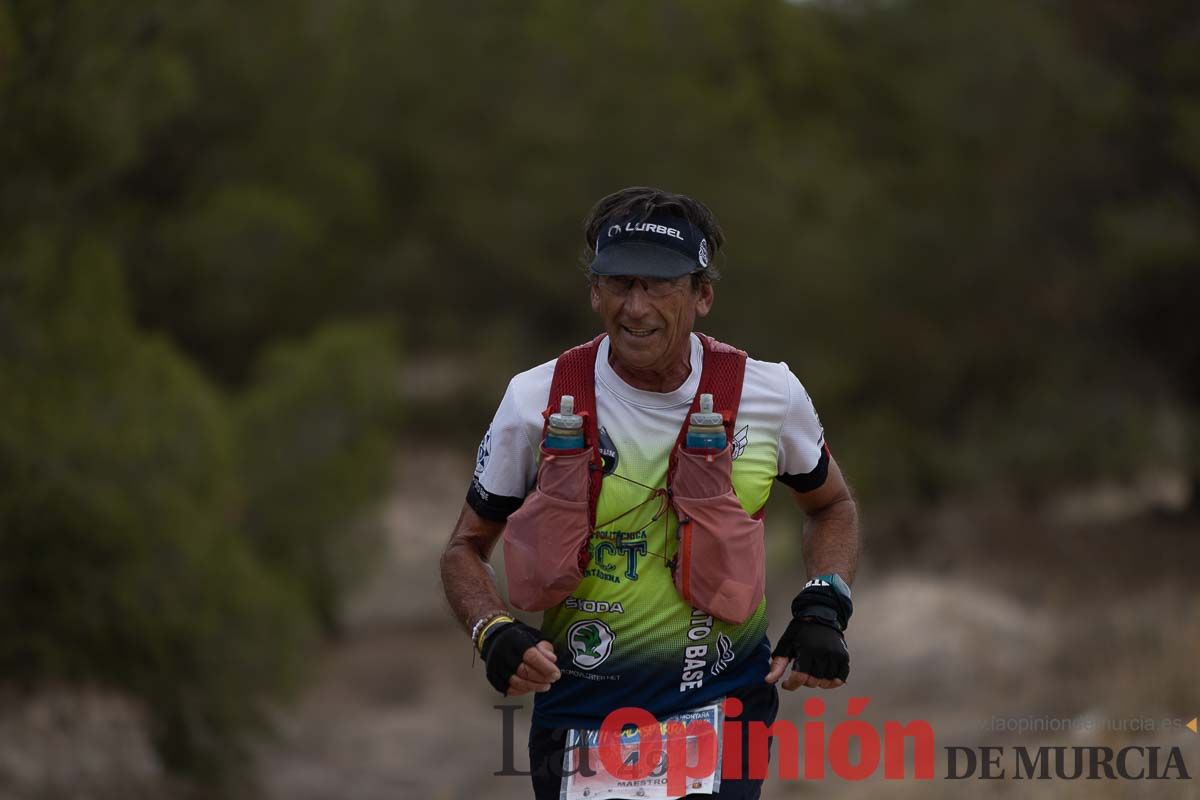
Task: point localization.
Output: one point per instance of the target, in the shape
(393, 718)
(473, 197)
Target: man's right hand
(519, 660)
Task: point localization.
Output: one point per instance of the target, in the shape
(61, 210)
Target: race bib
(668, 758)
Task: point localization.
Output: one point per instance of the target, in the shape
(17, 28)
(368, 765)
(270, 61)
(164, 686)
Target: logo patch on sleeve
(485, 452)
(738, 446)
(608, 452)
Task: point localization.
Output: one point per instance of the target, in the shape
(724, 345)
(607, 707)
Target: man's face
(648, 319)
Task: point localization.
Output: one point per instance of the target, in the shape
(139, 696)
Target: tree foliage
(144, 481)
(119, 562)
(312, 461)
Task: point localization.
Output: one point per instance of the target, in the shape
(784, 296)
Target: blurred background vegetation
(247, 250)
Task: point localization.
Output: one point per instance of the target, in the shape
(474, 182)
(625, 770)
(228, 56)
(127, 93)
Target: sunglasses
(621, 285)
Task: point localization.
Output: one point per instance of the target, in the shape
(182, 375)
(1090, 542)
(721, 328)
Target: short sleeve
(803, 454)
(505, 466)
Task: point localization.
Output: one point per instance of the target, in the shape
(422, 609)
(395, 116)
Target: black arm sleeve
(495, 507)
(808, 481)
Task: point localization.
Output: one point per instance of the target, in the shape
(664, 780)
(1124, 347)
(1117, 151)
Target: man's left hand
(818, 650)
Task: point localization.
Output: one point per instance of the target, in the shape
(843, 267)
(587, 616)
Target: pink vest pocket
(721, 564)
(543, 538)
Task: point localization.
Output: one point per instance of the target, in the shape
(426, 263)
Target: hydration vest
(719, 566)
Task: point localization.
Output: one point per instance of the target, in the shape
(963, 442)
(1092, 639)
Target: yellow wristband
(488, 627)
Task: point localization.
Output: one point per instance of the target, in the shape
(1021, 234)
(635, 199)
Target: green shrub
(314, 444)
(120, 558)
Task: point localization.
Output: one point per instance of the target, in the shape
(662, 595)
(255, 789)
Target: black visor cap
(658, 246)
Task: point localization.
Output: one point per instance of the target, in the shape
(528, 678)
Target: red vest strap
(575, 374)
(722, 376)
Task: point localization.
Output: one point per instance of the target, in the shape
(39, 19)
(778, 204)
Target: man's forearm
(830, 542)
(467, 582)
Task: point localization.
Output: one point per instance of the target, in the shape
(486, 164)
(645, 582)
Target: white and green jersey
(625, 637)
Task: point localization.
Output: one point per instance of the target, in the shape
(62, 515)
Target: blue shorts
(760, 704)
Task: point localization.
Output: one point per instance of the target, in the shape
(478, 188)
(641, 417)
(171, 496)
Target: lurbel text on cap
(651, 227)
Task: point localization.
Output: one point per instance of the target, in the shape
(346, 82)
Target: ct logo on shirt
(591, 643)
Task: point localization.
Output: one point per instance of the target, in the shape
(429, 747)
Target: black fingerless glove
(813, 639)
(815, 647)
(504, 648)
